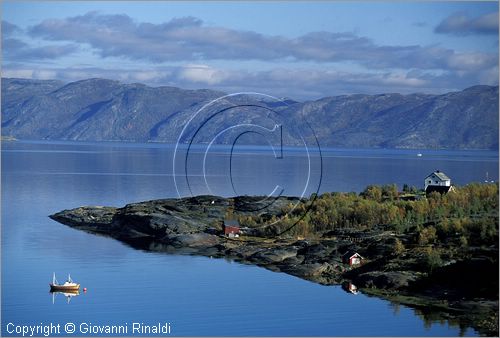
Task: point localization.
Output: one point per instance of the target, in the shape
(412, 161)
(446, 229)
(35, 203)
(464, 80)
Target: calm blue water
(196, 295)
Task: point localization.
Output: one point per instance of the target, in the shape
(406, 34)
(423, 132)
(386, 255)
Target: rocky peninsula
(458, 288)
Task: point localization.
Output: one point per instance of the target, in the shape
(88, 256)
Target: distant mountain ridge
(104, 110)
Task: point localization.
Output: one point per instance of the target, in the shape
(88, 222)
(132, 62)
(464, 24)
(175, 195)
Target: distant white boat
(487, 179)
(419, 155)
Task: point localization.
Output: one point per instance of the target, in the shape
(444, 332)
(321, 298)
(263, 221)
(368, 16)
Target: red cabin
(231, 228)
(352, 258)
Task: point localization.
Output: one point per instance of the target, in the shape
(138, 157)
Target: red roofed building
(231, 228)
(352, 258)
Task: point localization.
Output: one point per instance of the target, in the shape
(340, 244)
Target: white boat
(69, 285)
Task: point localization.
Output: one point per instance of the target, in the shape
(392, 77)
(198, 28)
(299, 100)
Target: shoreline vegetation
(437, 254)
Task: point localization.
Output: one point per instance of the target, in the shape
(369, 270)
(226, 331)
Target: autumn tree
(372, 192)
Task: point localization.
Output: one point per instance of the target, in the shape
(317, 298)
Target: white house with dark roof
(437, 181)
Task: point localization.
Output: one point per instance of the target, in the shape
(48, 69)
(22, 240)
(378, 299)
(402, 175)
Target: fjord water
(196, 295)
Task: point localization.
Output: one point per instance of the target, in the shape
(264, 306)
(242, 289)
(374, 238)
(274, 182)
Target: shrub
(427, 235)
(432, 258)
(399, 247)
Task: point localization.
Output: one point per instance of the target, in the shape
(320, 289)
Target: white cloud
(20, 73)
(146, 76)
(202, 74)
(402, 79)
(472, 61)
(190, 40)
(489, 76)
(44, 74)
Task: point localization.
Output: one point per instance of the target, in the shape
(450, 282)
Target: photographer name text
(51, 329)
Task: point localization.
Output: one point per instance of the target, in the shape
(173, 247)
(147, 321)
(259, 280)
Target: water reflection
(36, 184)
(67, 294)
(430, 317)
(350, 288)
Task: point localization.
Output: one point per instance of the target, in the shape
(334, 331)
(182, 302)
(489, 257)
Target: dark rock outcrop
(194, 226)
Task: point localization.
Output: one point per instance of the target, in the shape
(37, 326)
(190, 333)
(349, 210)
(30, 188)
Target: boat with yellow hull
(69, 285)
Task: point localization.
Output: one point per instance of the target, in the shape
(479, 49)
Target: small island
(436, 252)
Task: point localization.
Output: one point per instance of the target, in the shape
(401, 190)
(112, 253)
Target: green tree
(372, 192)
(390, 192)
(432, 258)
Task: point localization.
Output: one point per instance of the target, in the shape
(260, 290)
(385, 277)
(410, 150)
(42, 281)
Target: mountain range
(107, 110)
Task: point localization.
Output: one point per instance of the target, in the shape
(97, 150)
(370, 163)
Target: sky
(299, 50)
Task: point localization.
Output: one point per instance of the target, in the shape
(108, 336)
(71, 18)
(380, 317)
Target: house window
(430, 181)
(436, 182)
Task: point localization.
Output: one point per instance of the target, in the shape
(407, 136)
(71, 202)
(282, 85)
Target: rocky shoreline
(194, 226)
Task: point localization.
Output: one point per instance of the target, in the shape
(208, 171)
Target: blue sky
(303, 50)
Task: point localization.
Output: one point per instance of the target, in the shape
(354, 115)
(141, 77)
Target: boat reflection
(350, 288)
(67, 294)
